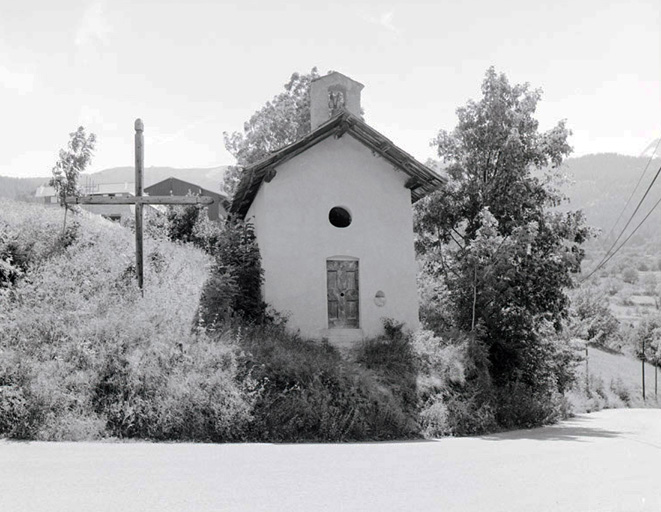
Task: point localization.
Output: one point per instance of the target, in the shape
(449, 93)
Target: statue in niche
(335, 102)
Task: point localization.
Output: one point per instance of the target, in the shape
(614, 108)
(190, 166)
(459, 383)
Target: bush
(173, 393)
(453, 395)
(309, 392)
(520, 405)
(84, 356)
(630, 275)
(234, 285)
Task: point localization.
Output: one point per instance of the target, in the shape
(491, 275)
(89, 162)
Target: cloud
(156, 138)
(21, 82)
(94, 27)
(91, 118)
(385, 21)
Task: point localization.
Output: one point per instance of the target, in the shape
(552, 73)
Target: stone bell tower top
(331, 94)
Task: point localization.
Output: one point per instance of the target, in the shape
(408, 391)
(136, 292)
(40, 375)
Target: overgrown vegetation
(84, 356)
(503, 255)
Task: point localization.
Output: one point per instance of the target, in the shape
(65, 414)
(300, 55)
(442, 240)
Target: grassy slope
(613, 378)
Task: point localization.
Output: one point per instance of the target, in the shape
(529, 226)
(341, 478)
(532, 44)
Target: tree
(647, 341)
(234, 284)
(591, 319)
(282, 121)
(72, 161)
(650, 283)
(505, 254)
(630, 275)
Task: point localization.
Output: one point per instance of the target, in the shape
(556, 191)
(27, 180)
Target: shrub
(520, 405)
(453, 394)
(181, 222)
(234, 285)
(84, 356)
(173, 393)
(309, 392)
(630, 275)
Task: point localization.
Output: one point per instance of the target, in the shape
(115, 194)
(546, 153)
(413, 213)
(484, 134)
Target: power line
(608, 254)
(608, 258)
(640, 179)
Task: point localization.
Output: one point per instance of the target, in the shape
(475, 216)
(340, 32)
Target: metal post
(139, 170)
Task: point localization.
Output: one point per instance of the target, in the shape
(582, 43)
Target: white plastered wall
(295, 237)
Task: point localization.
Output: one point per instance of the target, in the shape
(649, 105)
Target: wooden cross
(139, 200)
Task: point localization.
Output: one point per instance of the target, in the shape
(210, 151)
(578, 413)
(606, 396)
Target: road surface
(605, 461)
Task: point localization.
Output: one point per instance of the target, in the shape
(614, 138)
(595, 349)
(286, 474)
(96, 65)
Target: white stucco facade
(295, 237)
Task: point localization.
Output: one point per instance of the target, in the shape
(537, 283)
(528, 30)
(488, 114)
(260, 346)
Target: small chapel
(333, 220)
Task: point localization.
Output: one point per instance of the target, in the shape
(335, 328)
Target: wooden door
(342, 284)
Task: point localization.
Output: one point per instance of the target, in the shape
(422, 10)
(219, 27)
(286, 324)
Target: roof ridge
(344, 122)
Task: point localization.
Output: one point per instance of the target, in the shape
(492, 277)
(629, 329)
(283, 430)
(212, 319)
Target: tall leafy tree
(72, 161)
(283, 120)
(492, 234)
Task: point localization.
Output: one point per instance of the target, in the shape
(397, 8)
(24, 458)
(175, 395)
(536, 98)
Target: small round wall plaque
(380, 298)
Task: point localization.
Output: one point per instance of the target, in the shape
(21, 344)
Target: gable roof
(221, 198)
(191, 185)
(422, 180)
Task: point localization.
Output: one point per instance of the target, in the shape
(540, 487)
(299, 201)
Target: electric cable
(640, 179)
(608, 258)
(608, 254)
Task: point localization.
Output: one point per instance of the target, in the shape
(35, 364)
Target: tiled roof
(422, 179)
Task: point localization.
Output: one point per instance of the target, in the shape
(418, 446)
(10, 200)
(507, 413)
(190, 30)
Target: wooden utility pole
(643, 363)
(587, 371)
(139, 172)
(140, 200)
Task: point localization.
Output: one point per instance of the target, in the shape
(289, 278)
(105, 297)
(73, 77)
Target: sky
(192, 70)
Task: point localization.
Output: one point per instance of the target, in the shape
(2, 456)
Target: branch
(463, 248)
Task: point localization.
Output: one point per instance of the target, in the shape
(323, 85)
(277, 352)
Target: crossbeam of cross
(139, 200)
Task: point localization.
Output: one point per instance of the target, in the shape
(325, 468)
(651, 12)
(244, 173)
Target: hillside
(209, 178)
(23, 189)
(615, 381)
(601, 184)
(85, 355)
(20, 189)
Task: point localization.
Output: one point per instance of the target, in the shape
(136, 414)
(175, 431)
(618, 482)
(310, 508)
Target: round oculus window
(339, 217)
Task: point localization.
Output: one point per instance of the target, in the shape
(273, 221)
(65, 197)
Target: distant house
(112, 212)
(176, 187)
(47, 195)
(333, 220)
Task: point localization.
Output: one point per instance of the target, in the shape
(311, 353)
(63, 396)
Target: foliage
(234, 284)
(492, 236)
(282, 121)
(650, 283)
(590, 318)
(647, 339)
(84, 356)
(630, 275)
(181, 222)
(27, 239)
(309, 392)
(614, 381)
(72, 161)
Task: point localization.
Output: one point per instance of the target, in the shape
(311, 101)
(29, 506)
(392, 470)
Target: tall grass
(84, 355)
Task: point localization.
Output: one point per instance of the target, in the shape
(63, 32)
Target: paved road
(606, 461)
